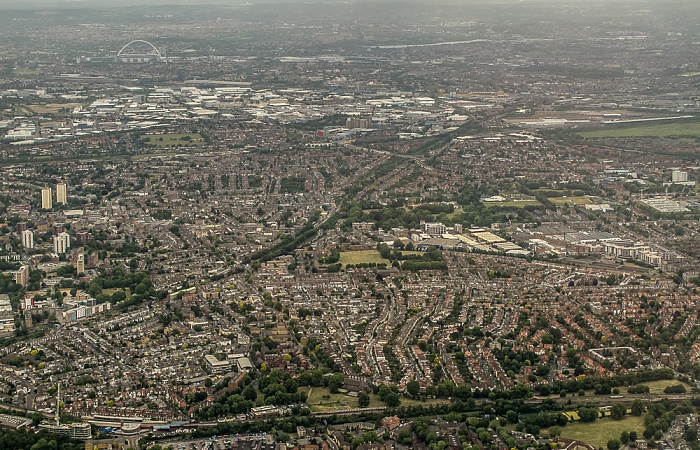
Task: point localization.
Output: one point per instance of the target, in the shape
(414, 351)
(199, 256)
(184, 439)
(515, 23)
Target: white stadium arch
(138, 57)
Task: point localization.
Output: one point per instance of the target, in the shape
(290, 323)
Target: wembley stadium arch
(139, 51)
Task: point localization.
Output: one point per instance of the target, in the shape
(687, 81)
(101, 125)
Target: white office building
(61, 196)
(61, 243)
(46, 198)
(679, 176)
(28, 239)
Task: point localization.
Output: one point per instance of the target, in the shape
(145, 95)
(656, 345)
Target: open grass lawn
(411, 252)
(570, 200)
(24, 72)
(432, 401)
(362, 256)
(458, 210)
(112, 291)
(657, 387)
(24, 109)
(370, 256)
(172, 140)
(517, 204)
(53, 108)
(321, 400)
(598, 433)
(659, 130)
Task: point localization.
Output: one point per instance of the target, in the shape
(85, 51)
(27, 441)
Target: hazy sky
(34, 4)
(38, 4)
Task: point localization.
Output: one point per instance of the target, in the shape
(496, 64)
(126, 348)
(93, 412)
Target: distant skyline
(119, 3)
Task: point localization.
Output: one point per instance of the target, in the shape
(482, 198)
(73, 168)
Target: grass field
(434, 401)
(570, 200)
(53, 108)
(515, 203)
(369, 256)
(668, 129)
(24, 72)
(362, 256)
(336, 402)
(24, 109)
(171, 140)
(657, 387)
(112, 291)
(454, 213)
(598, 433)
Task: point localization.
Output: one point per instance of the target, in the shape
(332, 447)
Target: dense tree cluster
(389, 395)
(292, 185)
(138, 284)
(604, 385)
(674, 389)
(28, 440)
(430, 260)
(638, 389)
(287, 243)
(14, 290)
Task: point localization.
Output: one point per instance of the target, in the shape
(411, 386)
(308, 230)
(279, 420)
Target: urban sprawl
(350, 226)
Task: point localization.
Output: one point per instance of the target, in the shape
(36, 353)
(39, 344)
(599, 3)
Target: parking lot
(213, 443)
